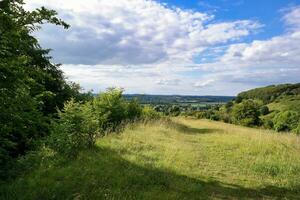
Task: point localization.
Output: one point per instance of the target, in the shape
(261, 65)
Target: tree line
(251, 108)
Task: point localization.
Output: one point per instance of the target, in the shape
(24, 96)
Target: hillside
(286, 103)
(270, 93)
(183, 159)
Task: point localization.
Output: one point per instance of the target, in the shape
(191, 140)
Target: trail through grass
(182, 159)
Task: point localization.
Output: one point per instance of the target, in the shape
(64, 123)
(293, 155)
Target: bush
(75, 129)
(133, 110)
(264, 110)
(79, 124)
(286, 121)
(267, 123)
(149, 113)
(110, 110)
(246, 113)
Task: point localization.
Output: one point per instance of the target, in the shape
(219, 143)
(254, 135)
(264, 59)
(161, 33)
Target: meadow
(178, 159)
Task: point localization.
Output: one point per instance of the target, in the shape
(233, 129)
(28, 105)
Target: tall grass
(178, 159)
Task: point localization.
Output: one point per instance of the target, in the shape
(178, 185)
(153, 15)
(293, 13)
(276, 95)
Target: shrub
(246, 113)
(238, 99)
(267, 123)
(75, 129)
(110, 110)
(133, 110)
(149, 113)
(79, 124)
(264, 110)
(286, 121)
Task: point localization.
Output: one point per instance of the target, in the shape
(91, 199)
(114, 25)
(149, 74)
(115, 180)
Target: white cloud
(292, 17)
(147, 47)
(278, 51)
(204, 83)
(168, 81)
(135, 32)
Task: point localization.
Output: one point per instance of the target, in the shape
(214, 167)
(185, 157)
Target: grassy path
(185, 159)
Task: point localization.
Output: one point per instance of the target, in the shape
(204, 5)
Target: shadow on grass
(190, 130)
(104, 174)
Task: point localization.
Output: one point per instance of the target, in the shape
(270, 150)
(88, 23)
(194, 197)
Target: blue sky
(266, 11)
(212, 47)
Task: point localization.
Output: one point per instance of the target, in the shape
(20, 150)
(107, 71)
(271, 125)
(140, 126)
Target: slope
(181, 159)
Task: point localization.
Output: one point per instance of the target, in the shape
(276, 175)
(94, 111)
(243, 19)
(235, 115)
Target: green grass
(183, 159)
(286, 103)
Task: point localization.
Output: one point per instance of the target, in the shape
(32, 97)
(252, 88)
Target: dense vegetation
(271, 93)
(179, 159)
(272, 107)
(31, 87)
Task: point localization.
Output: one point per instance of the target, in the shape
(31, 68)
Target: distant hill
(271, 93)
(173, 99)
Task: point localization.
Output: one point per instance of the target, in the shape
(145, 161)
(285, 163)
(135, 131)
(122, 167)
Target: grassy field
(182, 159)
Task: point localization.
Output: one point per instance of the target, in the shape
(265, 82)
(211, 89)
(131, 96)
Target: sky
(195, 47)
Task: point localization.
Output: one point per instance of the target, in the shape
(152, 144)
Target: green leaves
(246, 113)
(286, 121)
(31, 87)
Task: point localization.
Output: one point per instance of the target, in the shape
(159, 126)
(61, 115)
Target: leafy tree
(110, 109)
(238, 99)
(31, 87)
(246, 113)
(133, 110)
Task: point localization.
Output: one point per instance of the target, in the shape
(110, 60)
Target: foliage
(264, 110)
(286, 121)
(133, 110)
(270, 93)
(110, 110)
(75, 129)
(148, 113)
(246, 113)
(79, 124)
(31, 87)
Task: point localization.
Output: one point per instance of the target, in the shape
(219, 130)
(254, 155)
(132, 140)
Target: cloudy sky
(195, 47)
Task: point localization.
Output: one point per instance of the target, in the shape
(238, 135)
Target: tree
(238, 99)
(31, 87)
(110, 109)
(264, 110)
(246, 113)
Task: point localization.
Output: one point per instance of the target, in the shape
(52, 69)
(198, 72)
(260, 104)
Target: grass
(182, 159)
(286, 103)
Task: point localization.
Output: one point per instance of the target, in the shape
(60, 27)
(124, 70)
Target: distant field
(183, 159)
(177, 99)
